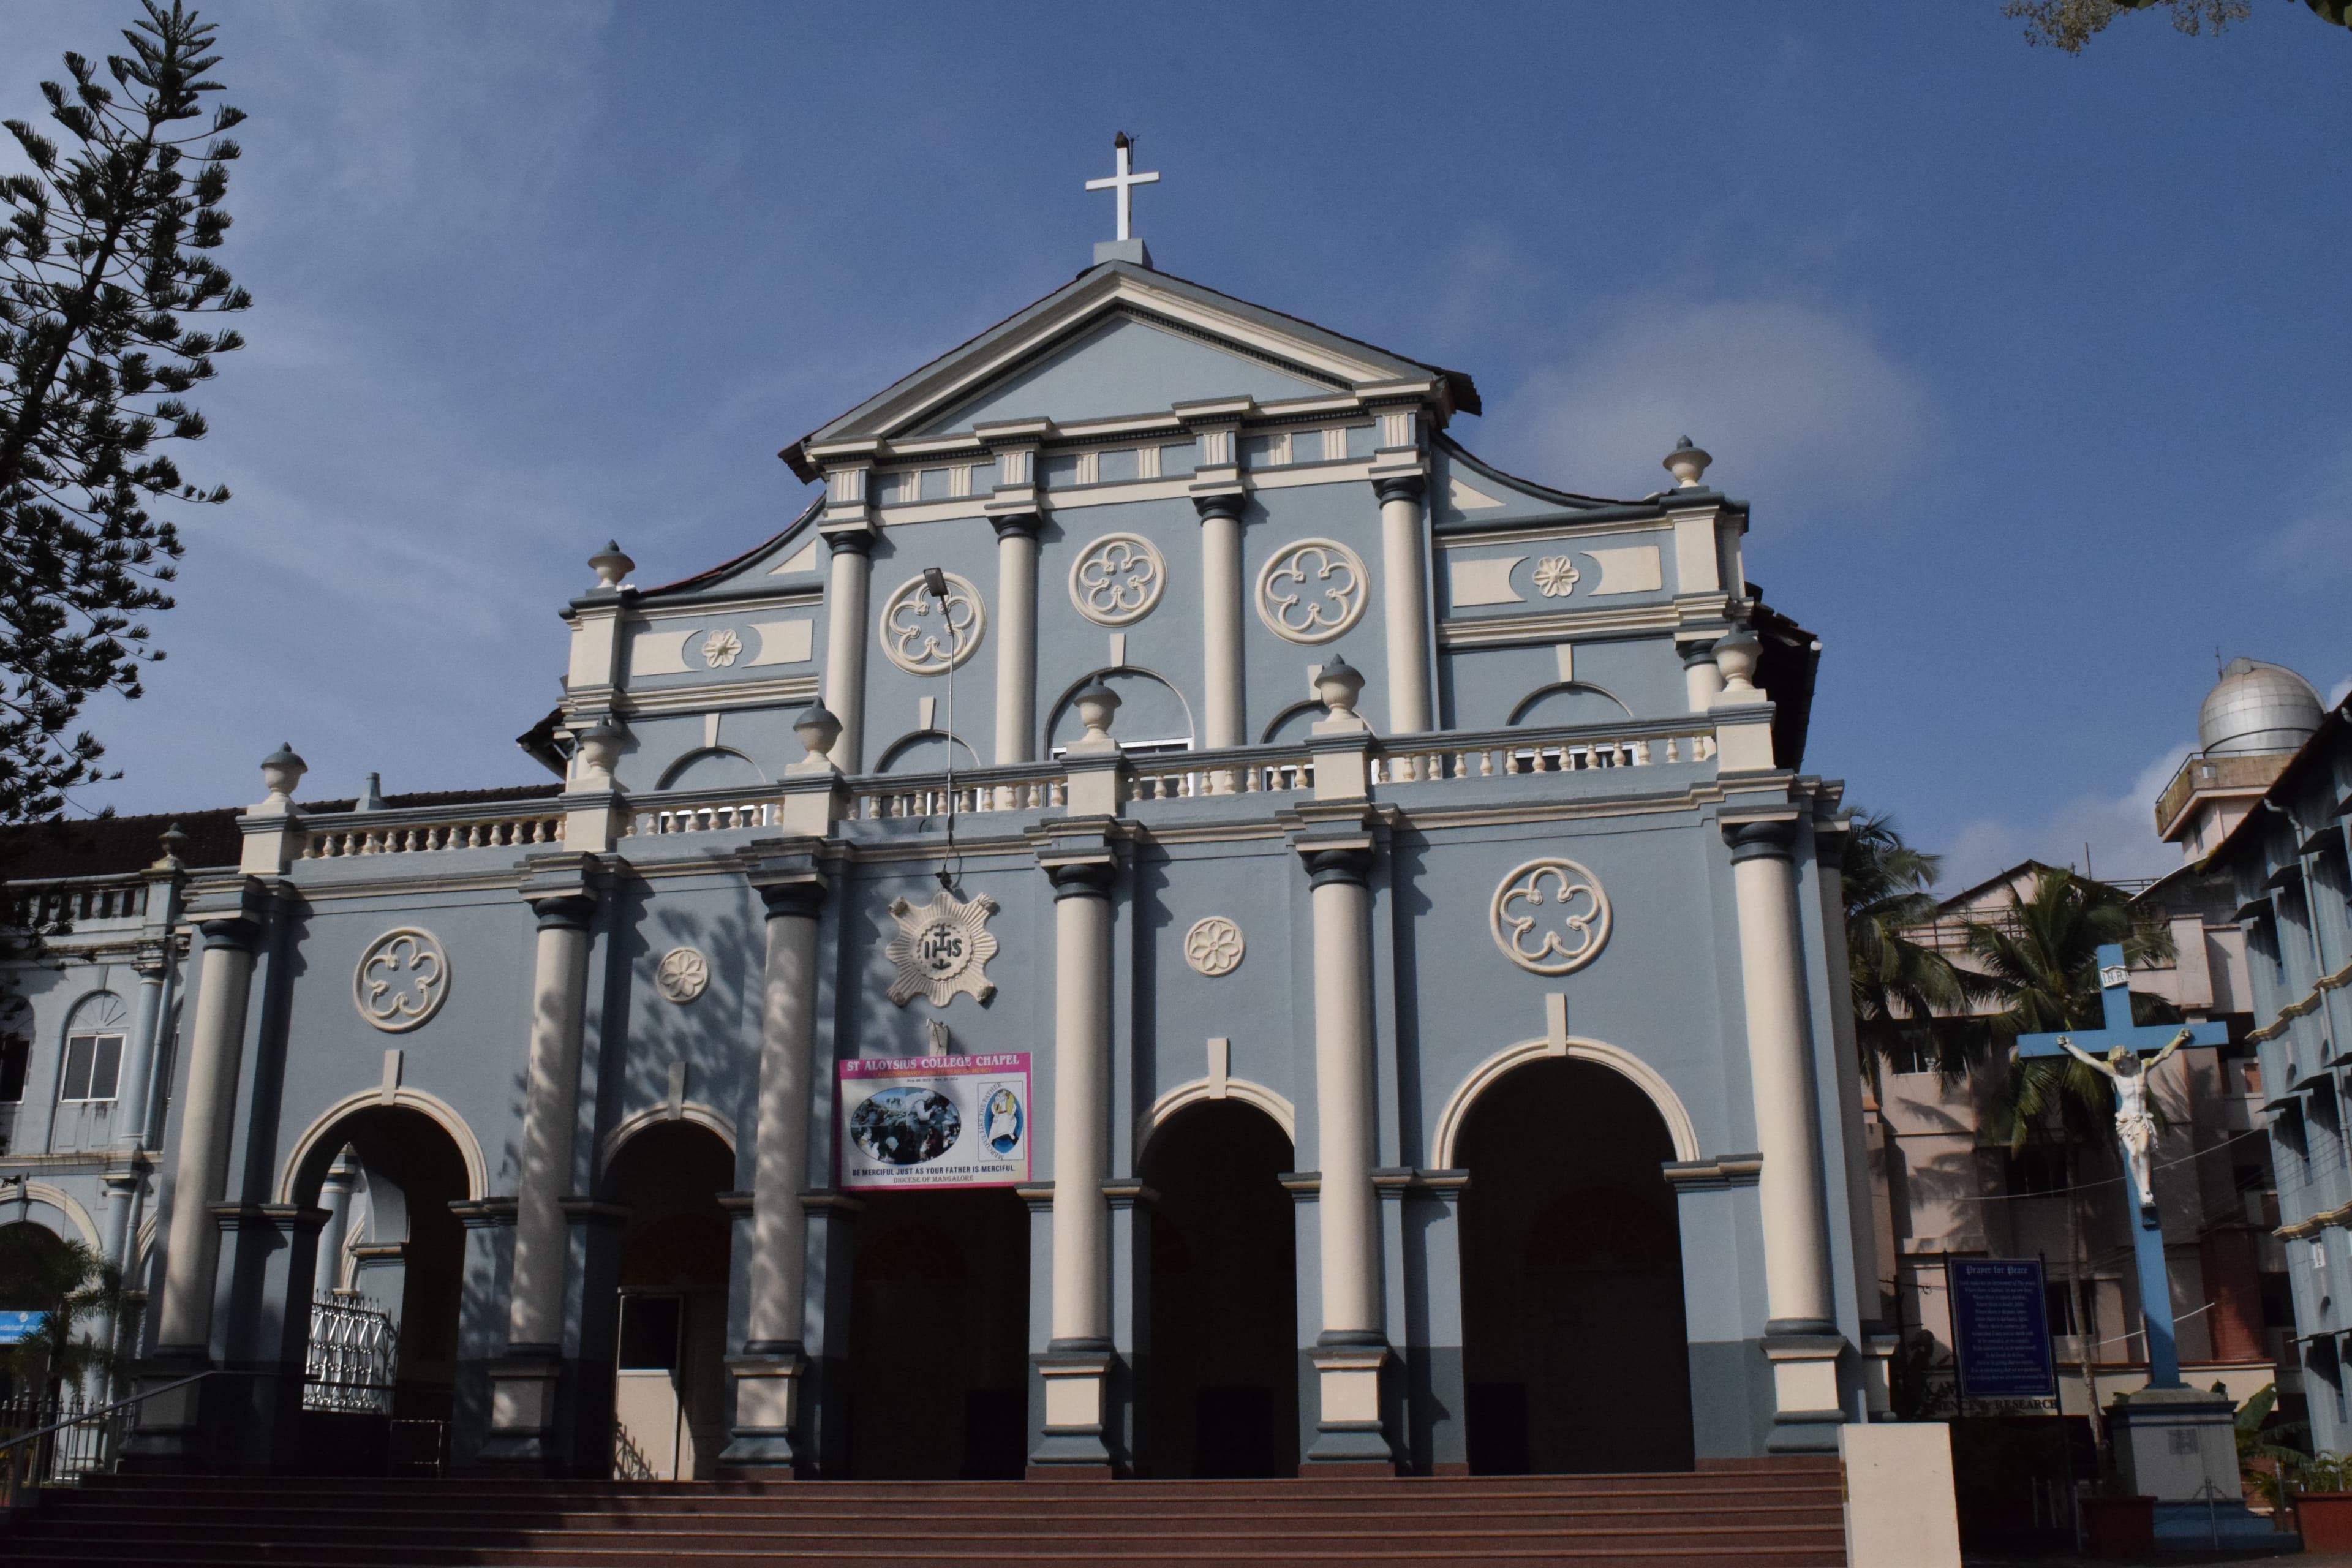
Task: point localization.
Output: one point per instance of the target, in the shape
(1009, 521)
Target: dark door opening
(939, 1340)
(1221, 1371)
(1574, 1349)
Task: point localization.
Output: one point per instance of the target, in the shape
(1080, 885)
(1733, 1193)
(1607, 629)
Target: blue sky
(2032, 367)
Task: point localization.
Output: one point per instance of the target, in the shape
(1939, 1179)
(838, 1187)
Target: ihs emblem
(942, 947)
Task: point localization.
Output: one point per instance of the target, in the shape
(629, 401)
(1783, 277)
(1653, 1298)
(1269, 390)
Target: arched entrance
(939, 1357)
(669, 1394)
(1574, 1350)
(1221, 1374)
(391, 1244)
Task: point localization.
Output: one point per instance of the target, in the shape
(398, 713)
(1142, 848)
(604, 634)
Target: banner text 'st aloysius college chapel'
(1175, 921)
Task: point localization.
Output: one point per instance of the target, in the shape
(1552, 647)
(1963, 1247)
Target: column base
(765, 1443)
(167, 1439)
(1078, 1401)
(523, 1386)
(1807, 1410)
(2177, 1445)
(1348, 1430)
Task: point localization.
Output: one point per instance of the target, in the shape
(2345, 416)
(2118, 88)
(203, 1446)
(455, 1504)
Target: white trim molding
(1201, 1090)
(701, 1115)
(1572, 1047)
(400, 1096)
(29, 1191)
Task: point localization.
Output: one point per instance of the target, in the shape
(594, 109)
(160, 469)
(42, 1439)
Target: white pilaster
(845, 637)
(1016, 637)
(1222, 720)
(1405, 602)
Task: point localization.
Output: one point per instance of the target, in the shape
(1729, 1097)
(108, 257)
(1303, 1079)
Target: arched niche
(669, 1323)
(926, 751)
(713, 767)
(1151, 712)
(1293, 722)
(1565, 702)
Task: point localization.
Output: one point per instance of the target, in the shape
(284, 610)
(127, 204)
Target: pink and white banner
(935, 1122)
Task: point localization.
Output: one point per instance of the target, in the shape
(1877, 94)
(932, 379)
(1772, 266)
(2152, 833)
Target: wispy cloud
(1793, 400)
(2117, 832)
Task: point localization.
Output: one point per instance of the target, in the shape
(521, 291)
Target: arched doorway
(38, 1270)
(1573, 1345)
(391, 1244)
(939, 1338)
(1222, 1372)
(669, 1394)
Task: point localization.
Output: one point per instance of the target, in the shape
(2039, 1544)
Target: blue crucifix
(2123, 1041)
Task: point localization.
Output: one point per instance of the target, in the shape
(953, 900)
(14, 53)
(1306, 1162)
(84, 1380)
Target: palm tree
(1900, 984)
(2041, 962)
(68, 1283)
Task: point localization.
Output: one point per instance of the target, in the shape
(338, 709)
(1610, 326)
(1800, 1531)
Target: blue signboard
(15, 1326)
(2000, 1329)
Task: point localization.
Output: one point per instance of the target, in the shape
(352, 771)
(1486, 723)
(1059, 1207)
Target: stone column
(207, 1115)
(1222, 702)
(844, 642)
(523, 1385)
(1405, 602)
(1016, 637)
(137, 1080)
(1800, 1338)
(1076, 1365)
(1353, 1346)
(769, 1372)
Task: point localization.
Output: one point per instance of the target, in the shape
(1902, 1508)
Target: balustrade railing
(353, 1359)
(704, 817)
(327, 840)
(1028, 787)
(82, 1438)
(1503, 753)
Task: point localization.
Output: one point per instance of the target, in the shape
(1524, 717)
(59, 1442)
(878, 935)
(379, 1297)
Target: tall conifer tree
(104, 261)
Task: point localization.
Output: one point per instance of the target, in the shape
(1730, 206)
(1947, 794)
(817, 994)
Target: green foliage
(2041, 962)
(102, 259)
(2068, 25)
(2262, 1461)
(1899, 983)
(1919, 1379)
(72, 1285)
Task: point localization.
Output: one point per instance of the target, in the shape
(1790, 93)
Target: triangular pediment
(1126, 365)
(1123, 340)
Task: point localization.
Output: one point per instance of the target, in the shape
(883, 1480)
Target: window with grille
(93, 1068)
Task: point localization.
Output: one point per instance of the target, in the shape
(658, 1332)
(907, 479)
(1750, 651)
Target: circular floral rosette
(1550, 916)
(1117, 579)
(1312, 591)
(923, 634)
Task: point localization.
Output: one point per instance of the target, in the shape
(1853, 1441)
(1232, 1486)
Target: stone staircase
(1765, 1514)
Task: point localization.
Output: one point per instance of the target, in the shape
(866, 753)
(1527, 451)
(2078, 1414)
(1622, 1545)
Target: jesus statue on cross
(2135, 1123)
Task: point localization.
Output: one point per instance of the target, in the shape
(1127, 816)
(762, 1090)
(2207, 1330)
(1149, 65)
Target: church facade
(1175, 923)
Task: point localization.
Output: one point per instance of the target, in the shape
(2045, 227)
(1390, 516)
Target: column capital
(1399, 486)
(1757, 838)
(1351, 865)
(237, 932)
(853, 537)
(564, 911)
(1088, 877)
(787, 875)
(1015, 524)
(1220, 504)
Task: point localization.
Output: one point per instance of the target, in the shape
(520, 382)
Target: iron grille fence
(353, 1360)
(86, 1435)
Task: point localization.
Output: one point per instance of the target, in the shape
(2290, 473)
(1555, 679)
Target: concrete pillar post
(523, 1385)
(1077, 1362)
(1702, 677)
(1404, 603)
(1016, 637)
(1352, 1347)
(769, 1374)
(137, 1080)
(1801, 1338)
(844, 641)
(200, 1176)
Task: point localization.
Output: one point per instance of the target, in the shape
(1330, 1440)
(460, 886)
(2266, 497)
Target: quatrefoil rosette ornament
(923, 634)
(942, 948)
(1117, 580)
(1312, 591)
(401, 980)
(1550, 917)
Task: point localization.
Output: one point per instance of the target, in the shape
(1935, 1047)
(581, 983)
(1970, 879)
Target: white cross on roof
(1124, 184)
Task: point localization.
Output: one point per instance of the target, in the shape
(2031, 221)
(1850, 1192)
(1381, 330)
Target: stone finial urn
(1736, 654)
(1096, 703)
(1687, 462)
(281, 774)
(600, 748)
(817, 731)
(1339, 684)
(612, 563)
